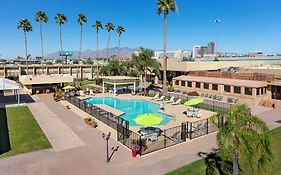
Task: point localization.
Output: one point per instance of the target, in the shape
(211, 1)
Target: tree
(244, 134)
(113, 68)
(120, 31)
(41, 17)
(61, 19)
(109, 27)
(144, 63)
(165, 6)
(82, 19)
(97, 26)
(25, 25)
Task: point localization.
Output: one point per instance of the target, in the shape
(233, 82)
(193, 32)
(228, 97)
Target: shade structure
(68, 87)
(148, 119)
(194, 101)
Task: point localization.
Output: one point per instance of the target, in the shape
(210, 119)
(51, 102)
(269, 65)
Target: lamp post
(114, 149)
(217, 21)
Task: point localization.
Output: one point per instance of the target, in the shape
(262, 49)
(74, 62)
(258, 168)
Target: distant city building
(177, 54)
(255, 53)
(211, 48)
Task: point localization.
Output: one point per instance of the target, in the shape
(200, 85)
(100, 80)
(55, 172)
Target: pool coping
(110, 109)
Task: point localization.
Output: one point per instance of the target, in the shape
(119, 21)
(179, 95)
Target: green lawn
(198, 167)
(20, 132)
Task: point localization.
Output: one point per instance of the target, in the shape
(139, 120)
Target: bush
(193, 93)
(171, 89)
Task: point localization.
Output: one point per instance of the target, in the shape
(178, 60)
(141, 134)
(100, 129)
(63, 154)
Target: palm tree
(82, 19)
(165, 6)
(144, 63)
(244, 134)
(109, 27)
(61, 19)
(25, 25)
(41, 17)
(120, 31)
(97, 26)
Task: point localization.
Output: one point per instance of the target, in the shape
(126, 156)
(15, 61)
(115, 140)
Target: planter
(94, 126)
(88, 122)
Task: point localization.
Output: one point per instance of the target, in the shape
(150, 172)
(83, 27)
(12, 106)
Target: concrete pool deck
(176, 111)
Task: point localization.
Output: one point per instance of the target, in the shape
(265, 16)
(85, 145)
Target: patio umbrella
(194, 101)
(68, 88)
(148, 119)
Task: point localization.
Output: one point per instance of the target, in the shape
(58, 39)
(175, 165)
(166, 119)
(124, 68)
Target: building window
(198, 85)
(258, 91)
(182, 83)
(261, 91)
(215, 87)
(177, 82)
(237, 90)
(226, 88)
(248, 91)
(189, 84)
(206, 85)
(264, 90)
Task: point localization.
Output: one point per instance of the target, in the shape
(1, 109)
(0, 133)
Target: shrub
(171, 89)
(193, 93)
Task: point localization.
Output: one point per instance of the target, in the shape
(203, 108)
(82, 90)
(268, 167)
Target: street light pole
(217, 21)
(106, 138)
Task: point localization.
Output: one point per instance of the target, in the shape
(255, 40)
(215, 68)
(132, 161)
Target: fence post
(213, 106)
(165, 144)
(207, 126)
(190, 132)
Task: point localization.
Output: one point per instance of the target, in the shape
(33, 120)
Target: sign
(66, 53)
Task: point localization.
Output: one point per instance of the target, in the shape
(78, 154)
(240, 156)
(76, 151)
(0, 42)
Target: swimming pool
(131, 108)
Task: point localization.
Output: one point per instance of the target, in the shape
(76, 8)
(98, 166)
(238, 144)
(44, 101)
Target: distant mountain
(124, 51)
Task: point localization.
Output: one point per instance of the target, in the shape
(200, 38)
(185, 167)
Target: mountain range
(123, 51)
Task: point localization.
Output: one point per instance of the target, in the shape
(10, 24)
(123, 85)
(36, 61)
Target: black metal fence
(167, 138)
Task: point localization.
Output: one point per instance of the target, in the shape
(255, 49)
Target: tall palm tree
(165, 6)
(25, 25)
(61, 19)
(41, 17)
(82, 19)
(120, 31)
(97, 26)
(244, 134)
(109, 27)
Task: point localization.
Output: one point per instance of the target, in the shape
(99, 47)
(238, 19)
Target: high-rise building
(211, 48)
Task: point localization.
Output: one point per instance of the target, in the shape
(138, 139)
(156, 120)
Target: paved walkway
(89, 157)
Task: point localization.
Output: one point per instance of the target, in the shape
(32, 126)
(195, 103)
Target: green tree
(41, 17)
(120, 31)
(144, 63)
(165, 6)
(244, 135)
(113, 68)
(98, 27)
(76, 62)
(25, 25)
(82, 19)
(109, 27)
(61, 19)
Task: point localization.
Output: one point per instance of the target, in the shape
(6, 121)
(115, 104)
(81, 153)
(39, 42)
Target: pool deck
(176, 111)
(110, 109)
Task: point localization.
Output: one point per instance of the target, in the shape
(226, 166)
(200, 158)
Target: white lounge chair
(155, 97)
(161, 98)
(177, 102)
(91, 92)
(171, 100)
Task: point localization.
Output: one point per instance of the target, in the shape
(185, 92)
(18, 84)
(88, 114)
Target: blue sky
(246, 24)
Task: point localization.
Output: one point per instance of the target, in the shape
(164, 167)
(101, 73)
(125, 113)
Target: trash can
(134, 153)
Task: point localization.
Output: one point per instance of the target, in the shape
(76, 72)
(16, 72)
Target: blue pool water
(131, 108)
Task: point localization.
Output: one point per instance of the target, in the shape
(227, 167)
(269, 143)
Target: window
(206, 85)
(261, 91)
(177, 82)
(226, 88)
(258, 91)
(248, 91)
(264, 90)
(215, 87)
(182, 83)
(237, 90)
(198, 85)
(189, 84)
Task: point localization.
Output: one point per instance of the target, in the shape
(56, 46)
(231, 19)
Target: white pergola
(6, 84)
(118, 80)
